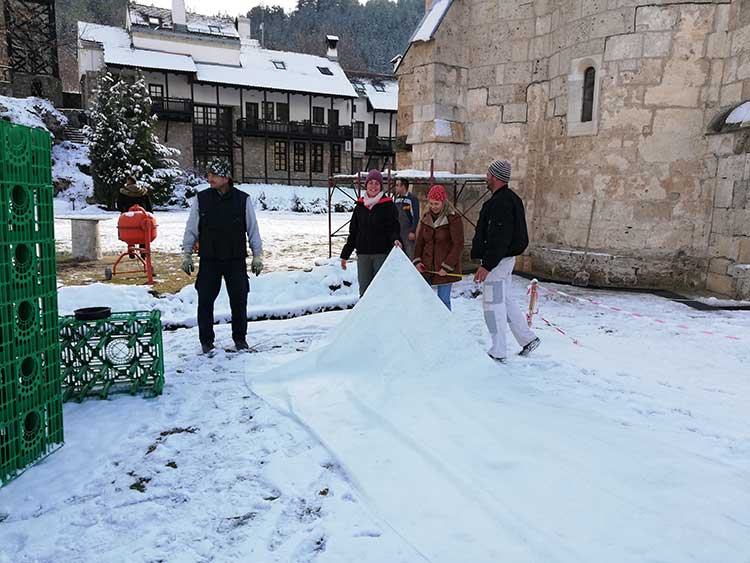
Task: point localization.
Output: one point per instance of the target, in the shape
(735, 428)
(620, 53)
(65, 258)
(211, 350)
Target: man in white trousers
(501, 235)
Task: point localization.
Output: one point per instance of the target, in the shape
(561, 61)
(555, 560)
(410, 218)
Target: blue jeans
(444, 294)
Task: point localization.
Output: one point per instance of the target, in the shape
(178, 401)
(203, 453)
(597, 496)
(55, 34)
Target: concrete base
(85, 239)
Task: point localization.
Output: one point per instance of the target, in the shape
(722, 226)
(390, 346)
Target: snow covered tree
(123, 143)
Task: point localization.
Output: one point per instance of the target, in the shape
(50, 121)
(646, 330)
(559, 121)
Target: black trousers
(208, 285)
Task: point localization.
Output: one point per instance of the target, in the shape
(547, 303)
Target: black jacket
(372, 231)
(125, 202)
(222, 226)
(501, 230)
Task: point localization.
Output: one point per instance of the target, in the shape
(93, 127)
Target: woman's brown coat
(439, 245)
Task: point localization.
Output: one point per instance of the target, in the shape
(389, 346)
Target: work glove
(257, 265)
(187, 263)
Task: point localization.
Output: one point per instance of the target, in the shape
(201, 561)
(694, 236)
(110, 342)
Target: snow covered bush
(71, 172)
(123, 143)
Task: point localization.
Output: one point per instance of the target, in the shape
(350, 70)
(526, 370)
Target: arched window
(589, 82)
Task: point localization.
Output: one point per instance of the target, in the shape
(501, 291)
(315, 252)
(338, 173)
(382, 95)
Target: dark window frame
(358, 129)
(589, 89)
(282, 112)
(300, 157)
(155, 87)
(280, 65)
(266, 107)
(378, 86)
(252, 111)
(336, 151)
(280, 156)
(319, 115)
(317, 154)
(373, 127)
(325, 70)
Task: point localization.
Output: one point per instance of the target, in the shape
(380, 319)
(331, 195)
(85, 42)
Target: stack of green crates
(122, 352)
(30, 391)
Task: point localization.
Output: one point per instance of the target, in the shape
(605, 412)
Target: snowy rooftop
(383, 94)
(259, 67)
(431, 21)
(161, 18)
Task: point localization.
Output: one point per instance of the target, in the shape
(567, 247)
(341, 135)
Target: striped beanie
(500, 169)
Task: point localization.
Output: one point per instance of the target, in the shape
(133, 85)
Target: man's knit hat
(500, 169)
(374, 175)
(219, 167)
(437, 193)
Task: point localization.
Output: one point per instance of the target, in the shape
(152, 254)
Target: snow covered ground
(383, 434)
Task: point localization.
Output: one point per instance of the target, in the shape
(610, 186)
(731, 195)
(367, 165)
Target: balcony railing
(380, 145)
(295, 129)
(172, 109)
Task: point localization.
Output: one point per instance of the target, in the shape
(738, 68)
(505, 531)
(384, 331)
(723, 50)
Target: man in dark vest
(501, 235)
(220, 219)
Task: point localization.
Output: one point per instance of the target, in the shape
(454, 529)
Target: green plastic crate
(31, 436)
(26, 212)
(27, 268)
(27, 325)
(25, 154)
(122, 353)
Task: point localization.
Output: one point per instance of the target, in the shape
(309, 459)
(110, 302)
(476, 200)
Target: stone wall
(628, 196)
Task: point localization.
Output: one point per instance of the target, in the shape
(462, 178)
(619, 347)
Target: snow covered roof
(383, 94)
(107, 35)
(161, 18)
(301, 73)
(739, 115)
(431, 21)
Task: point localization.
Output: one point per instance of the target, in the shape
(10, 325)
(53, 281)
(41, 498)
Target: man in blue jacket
(501, 235)
(408, 215)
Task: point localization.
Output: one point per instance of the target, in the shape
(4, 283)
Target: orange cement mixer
(137, 228)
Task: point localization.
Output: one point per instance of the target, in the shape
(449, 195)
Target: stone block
(477, 100)
(520, 50)
(621, 47)
(517, 73)
(544, 24)
(718, 45)
(656, 18)
(744, 250)
(611, 23)
(514, 113)
(721, 19)
(719, 266)
(657, 44)
(732, 167)
(721, 284)
(724, 193)
(677, 135)
(498, 95)
(591, 7)
(647, 72)
(482, 76)
(521, 29)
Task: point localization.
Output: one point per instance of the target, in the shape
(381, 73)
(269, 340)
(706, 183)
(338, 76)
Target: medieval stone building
(28, 50)
(623, 120)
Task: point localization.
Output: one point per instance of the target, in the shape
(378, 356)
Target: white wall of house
(179, 85)
(90, 58)
(202, 50)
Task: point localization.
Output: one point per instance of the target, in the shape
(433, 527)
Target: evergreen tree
(122, 141)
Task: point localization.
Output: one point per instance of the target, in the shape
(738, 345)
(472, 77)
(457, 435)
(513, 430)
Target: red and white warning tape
(630, 313)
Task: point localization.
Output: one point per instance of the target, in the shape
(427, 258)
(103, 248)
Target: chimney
(179, 20)
(333, 53)
(244, 30)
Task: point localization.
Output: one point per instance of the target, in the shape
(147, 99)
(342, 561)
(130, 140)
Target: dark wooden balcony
(293, 129)
(380, 145)
(172, 109)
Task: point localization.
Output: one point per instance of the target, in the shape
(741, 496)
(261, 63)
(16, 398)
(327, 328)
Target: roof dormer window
(154, 20)
(281, 65)
(359, 88)
(325, 70)
(379, 86)
(214, 29)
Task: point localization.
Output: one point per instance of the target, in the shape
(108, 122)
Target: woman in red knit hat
(440, 242)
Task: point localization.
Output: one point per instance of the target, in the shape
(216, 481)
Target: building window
(280, 156)
(589, 83)
(358, 128)
(325, 70)
(372, 130)
(153, 20)
(354, 108)
(279, 65)
(205, 115)
(358, 164)
(214, 29)
(299, 157)
(333, 117)
(251, 112)
(318, 115)
(336, 159)
(317, 157)
(359, 88)
(379, 86)
(155, 91)
(268, 111)
(282, 112)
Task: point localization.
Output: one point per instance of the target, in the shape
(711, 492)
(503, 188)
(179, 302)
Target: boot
(207, 347)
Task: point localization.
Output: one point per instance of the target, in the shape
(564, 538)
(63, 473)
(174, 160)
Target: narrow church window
(589, 81)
